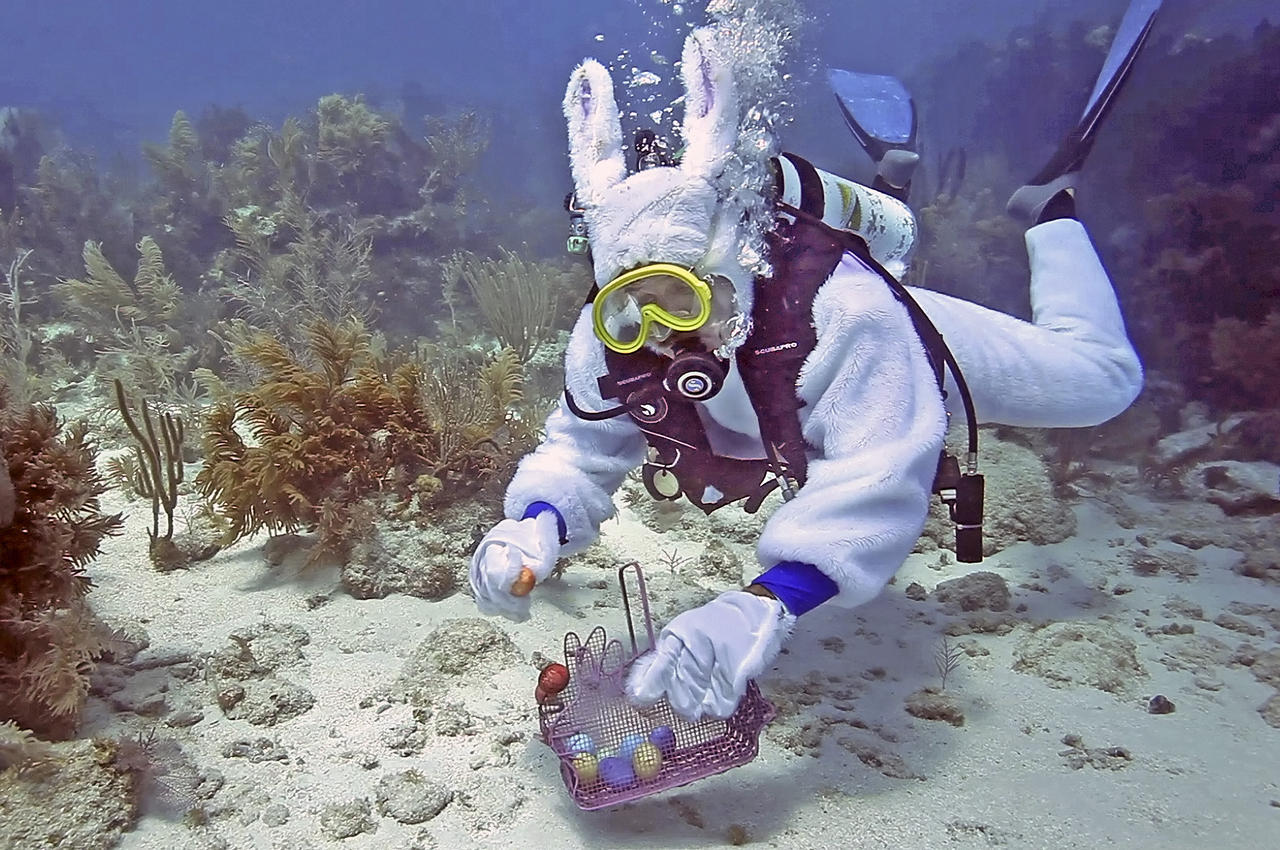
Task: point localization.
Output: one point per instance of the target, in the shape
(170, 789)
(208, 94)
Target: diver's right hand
(509, 547)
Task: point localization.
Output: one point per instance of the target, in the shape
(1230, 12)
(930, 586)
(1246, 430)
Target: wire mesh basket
(611, 751)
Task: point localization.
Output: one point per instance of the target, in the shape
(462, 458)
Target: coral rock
(1067, 654)
(978, 591)
(78, 800)
(410, 797)
(470, 647)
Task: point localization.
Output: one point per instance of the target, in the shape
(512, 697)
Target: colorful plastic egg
(581, 743)
(524, 582)
(628, 746)
(587, 768)
(646, 761)
(617, 772)
(554, 678)
(664, 738)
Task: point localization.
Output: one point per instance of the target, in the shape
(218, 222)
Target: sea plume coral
(322, 434)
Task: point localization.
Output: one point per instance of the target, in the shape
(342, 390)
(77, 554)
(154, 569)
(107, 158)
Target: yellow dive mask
(650, 301)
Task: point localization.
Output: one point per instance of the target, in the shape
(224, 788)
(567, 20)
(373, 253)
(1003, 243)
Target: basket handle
(643, 595)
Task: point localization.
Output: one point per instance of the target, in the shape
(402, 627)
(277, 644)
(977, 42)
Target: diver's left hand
(704, 658)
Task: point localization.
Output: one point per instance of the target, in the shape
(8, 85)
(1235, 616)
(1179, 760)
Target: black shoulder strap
(940, 356)
(802, 258)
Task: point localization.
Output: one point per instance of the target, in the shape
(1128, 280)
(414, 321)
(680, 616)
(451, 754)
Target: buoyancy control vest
(803, 254)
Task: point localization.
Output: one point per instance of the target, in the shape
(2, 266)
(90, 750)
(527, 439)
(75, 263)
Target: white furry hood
(669, 214)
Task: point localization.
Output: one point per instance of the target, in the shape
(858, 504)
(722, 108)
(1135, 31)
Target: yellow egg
(587, 768)
(647, 761)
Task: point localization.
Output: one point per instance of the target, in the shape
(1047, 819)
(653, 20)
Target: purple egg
(617, 772)
(664, 738)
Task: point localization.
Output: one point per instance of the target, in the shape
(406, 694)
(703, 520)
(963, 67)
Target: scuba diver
(825, 379)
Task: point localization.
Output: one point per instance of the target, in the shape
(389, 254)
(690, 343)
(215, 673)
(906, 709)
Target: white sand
(1203, 776)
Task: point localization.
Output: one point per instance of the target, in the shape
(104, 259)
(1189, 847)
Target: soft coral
(48, 638)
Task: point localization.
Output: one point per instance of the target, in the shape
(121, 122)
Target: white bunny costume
(872, 409)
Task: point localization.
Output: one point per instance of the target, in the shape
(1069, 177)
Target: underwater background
(283, 299)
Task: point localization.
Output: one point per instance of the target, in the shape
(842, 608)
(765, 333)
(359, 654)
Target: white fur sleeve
(580, 463)
(873, 411)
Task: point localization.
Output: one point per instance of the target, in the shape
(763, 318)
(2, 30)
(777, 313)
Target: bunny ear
(595, 132)
(711, 106)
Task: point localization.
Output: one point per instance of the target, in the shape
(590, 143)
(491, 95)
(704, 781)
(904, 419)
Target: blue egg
(664, 738)
(581, 743)
(628, 746)
(617, 772)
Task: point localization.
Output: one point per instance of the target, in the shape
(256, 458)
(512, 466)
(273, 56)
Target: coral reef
(8, 497)
(30, 363)
(350, 160)
(348, 133)
(54, 198)
(164, 780)
(1206, 199)
(247, 678)
(80, 799)
(1207, 266)
(290, 270)
(427, 558)
(1248, 356)
(133, 322)
(970, 248)
(1071, 654)
(185, 206)
(277, 225)
(48, 636)
(469, 649)
(16, 341)
(21, 750)
(1181, 201)
(331, 432)
(522, 301)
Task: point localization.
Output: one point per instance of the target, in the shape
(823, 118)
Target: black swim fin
(1059, 172)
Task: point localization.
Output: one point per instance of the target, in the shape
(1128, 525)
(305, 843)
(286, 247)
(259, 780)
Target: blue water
(112, 74)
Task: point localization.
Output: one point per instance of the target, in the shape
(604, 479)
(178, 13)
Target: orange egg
(524, 582)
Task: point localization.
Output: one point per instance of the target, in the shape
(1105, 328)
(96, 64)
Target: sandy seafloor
(843, 766)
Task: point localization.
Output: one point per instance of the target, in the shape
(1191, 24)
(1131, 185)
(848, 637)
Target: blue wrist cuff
(536, 508)
(800, 587)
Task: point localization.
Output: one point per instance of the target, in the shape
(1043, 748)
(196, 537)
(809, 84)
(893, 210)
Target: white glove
(509, 547)
(704, 658)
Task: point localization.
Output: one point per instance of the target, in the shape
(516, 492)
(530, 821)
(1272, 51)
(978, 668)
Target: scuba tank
(885, 223)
